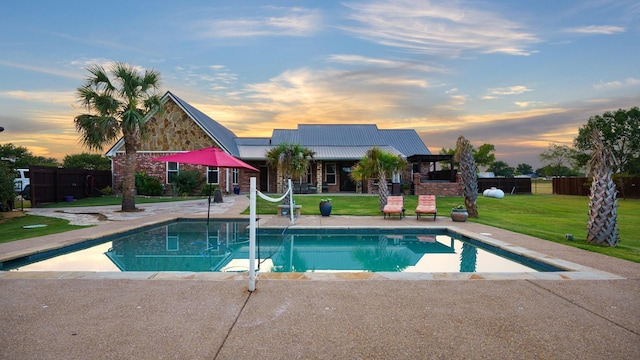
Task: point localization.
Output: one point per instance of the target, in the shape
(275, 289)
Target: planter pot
(459, 215)
(325, 208)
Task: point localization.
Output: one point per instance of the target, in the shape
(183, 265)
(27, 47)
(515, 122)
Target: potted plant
(459, 213)
(325, 206)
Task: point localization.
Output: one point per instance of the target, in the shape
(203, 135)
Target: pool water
(223, 246)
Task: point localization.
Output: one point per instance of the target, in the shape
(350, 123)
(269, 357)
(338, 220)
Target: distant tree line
(620, 131)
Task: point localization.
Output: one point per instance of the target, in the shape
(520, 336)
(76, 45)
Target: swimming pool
(223, 246)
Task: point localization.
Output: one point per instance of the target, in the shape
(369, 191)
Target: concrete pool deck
(353, 316)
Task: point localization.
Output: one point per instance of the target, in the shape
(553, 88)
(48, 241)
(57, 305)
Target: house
(181, 127)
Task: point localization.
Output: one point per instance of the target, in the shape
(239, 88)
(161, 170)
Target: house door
(264, 179)
(346, 184)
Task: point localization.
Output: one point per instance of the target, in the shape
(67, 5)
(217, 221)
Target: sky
(520, 75)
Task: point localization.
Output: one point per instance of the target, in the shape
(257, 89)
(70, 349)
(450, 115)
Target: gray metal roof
(257, 152)
(406, 141)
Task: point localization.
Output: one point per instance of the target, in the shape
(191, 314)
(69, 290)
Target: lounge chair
(395, 205)
(426, 206)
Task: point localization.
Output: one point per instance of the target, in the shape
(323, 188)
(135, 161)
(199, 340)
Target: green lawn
(547, 217)
(12, 229)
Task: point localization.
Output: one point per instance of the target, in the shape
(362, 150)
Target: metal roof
(257, 152)
(406, 141)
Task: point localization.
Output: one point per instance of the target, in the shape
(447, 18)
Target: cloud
(511, 90)
(360, 60)
(287, 22)
(43, 70)
(597, 29)
(439, 28)
(46, 97)
(617, 84)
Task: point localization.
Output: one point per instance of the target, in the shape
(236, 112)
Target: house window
(309, 176)
(235, 176)
(213, 174)
(330, 173)
(172, 171)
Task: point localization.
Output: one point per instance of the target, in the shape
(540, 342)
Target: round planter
(325, 208)
(459, 215)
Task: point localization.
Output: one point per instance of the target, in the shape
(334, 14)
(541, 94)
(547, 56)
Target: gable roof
(222, 136)
(218, 133)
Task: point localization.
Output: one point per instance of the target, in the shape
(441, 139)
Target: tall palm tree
(292, 161)
(380, 164)
(464, 156)
(602, 228)
(117, 102)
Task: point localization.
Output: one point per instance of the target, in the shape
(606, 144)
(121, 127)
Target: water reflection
(224, 246)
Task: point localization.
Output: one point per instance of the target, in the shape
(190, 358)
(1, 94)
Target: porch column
(319, 176)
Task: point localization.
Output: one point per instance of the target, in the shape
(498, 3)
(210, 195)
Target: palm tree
(464, 156)
(118, 101)
(292, 161)
(379, 164)
(602, 228)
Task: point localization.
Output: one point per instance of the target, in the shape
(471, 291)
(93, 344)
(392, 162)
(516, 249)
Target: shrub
(185, 182)
(148, 185)
(208, 189)
(106, 191)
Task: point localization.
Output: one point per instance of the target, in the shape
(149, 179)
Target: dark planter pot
(325, 208)
(459, 215)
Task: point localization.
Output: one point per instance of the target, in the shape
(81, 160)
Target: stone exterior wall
(173, 130)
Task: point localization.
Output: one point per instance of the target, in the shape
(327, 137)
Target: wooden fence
(56, 184)
(628, 187)
(508, 185)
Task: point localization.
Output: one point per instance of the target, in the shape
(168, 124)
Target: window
(213, 174)
(309, 176)
(172, 171)
(330, 173)
(235, 176)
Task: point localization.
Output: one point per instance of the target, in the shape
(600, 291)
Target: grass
(116, 200)
(12, 229)
(548, 217)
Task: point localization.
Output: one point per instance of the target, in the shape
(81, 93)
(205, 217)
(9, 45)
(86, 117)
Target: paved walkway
(312, 316)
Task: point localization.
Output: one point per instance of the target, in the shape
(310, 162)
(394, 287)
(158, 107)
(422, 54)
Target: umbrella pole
(209, 205)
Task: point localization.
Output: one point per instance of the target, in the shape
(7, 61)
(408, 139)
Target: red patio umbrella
(211, 156)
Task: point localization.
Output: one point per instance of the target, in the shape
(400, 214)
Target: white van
(22, 183)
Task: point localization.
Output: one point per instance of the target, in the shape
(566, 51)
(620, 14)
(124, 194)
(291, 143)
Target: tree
(501, 168)
(117, 102)
(484, 156)
(468, 175)
(24, 158)
(524, 169)
(558, 157)
(292, 161)
(86, 161)
(602, 228)
(379, 164)
(7, 191)
(620, 133)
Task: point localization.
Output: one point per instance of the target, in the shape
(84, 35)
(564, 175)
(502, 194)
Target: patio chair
(426, 206)
(395, 205)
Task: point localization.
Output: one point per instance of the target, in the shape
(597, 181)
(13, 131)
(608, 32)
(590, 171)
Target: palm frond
(97, 131)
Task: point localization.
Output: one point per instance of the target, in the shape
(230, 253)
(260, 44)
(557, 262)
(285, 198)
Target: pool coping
(573, 271)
